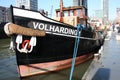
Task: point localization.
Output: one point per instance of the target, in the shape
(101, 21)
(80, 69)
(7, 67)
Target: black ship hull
(56, 46)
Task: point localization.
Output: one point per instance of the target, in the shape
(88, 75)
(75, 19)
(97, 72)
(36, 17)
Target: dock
(108, 66)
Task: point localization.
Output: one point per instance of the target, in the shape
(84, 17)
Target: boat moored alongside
(44, 45)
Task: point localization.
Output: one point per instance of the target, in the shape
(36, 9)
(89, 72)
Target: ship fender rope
(77, 41)
(11, 28)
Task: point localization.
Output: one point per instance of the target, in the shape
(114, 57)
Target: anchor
(27, 46)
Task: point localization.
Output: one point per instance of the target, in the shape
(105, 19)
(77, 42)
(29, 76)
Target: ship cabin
(72, 15)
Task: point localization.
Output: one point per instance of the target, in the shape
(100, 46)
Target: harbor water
(9, 71)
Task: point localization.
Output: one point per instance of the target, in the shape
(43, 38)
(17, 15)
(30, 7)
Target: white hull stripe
(31, 14)
(71, 36)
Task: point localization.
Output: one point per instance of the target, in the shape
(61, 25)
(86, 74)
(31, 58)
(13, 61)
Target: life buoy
(25, 42)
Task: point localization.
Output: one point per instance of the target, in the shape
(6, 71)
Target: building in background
(97, 18)
(2, 14)
(118, 12)
(98, 13)
(5, 14)
(8, 15)
(28, 4)
(105, 12)
(80, 3)
(101, 16)
(117, 19)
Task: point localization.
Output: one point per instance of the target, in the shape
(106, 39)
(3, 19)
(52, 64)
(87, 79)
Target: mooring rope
(77, 40)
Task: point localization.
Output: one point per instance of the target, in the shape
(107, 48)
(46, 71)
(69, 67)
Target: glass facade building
(105, 11)
(80, 3)
(2, 14)
(28, 4)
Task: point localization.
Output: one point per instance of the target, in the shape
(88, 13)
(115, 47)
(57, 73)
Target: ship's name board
(54, 28)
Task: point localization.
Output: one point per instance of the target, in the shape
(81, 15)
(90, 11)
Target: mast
(61, 11)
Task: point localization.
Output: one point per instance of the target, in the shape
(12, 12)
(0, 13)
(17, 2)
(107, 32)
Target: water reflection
(4, 45)
(102, 74)
(8, 68)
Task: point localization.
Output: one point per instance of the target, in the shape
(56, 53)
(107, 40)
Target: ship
(43, 45)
